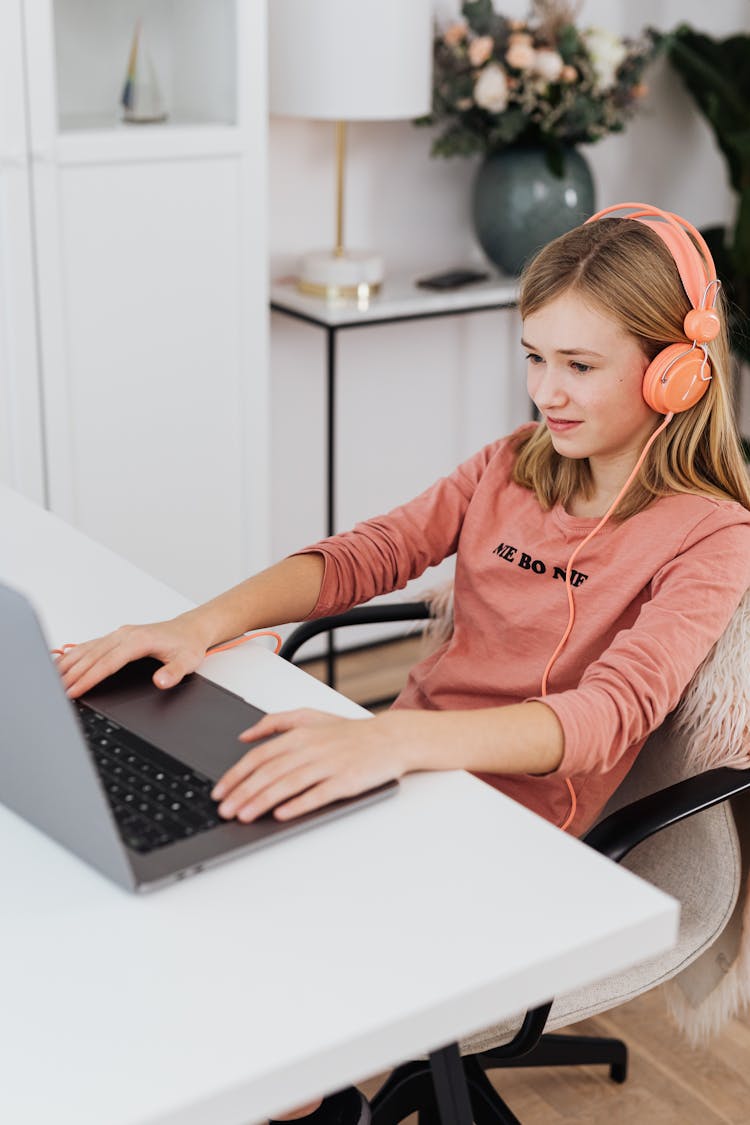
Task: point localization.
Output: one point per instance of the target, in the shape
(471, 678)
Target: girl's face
(585, 374)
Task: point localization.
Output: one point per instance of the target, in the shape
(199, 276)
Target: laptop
(122, 777)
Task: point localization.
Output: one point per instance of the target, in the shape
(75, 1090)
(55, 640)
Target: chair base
(411, 1088)
(568, 1050)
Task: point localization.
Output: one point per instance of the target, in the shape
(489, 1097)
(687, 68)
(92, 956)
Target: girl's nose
(548, 390)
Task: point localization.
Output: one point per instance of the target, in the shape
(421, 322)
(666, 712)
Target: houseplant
(524, 95)
(717, 74)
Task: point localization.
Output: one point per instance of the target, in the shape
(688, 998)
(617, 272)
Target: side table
(399, 300)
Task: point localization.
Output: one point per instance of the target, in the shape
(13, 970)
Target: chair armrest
(362, 615)
(622, 830)
(618, 834)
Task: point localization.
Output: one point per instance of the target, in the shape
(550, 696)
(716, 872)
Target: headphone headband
(678, 376)
(695, 264)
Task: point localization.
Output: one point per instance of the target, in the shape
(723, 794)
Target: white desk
(318, 961)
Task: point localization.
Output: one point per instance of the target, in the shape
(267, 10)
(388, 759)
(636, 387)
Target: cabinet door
(21, 459)
(155, 391)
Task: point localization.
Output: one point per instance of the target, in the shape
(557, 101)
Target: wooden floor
(669, 1083)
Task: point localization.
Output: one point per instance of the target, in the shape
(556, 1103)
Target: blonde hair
(625, 270)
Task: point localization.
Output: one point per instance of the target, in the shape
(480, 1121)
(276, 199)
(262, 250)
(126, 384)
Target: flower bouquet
(543, 82)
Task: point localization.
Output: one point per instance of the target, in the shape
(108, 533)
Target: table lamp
(340, 61)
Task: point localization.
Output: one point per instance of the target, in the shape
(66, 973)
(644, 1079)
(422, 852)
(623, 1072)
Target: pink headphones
(678, 376)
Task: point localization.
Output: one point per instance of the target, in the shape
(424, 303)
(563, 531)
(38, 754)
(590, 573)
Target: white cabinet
(148, 249)
(21, 447)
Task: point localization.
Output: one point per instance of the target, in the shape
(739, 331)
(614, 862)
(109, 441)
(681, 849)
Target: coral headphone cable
(571, 604)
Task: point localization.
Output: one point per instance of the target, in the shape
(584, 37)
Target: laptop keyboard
(156, 800)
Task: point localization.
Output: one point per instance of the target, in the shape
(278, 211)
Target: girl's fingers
(173, 671)
(278, 724)
(93, 669)
(92, 675)
(289, 785)
(304, 767)
(87, 664)
(314, 798)
(283, 721)
(248, 764)
(90, 666)
(252, 779)
(73, 657)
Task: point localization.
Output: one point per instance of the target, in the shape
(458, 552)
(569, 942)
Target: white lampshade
(350, 60)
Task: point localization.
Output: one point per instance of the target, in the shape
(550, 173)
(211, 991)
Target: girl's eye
(581, 368)
(532, 357)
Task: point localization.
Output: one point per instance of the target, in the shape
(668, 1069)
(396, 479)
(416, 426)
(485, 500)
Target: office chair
(651, 825)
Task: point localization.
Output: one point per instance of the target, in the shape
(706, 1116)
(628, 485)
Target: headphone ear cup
(672, 382)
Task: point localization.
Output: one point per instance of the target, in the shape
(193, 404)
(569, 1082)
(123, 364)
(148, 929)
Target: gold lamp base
(350, 275)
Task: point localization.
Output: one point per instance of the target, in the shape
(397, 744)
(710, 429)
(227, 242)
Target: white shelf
(193, 45)
(121, 143)
(105, 122)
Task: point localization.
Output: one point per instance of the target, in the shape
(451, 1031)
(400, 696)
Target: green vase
(519, 205)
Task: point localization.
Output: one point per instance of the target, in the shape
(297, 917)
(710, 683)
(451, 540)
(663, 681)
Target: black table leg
(331, 477)
(451, 1090)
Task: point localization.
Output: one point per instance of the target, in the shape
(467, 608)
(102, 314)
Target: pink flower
(454, 34)
(480, 50)
(520, 55)
(568, 74)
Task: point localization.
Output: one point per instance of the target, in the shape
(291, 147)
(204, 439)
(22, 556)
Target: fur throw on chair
(714, 719)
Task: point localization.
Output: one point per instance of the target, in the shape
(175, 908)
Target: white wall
(414, 399)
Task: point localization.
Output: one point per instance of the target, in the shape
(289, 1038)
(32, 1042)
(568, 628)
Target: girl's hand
(316, 758)
(177, 643)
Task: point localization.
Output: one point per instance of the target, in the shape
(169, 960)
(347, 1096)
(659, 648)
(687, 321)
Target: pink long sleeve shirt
(652, 595)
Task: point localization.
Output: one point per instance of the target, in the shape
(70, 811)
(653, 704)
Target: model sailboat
(141, 99)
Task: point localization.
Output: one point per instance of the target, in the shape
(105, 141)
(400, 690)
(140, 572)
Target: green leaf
(569, 43)
(456, 141)
(717, 74)
(718, 63)
(508, 128)
(736, 286)
(740, 249)
(480, 15)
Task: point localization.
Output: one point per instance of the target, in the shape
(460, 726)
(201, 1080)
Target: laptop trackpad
(197, 721)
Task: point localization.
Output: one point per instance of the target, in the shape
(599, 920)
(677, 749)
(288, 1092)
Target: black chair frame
(450, 1089)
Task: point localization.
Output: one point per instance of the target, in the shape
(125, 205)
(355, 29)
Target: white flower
(547, 64)
(607, 53)
(491, 89)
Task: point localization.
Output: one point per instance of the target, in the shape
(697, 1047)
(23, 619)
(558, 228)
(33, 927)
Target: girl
(627, 504)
